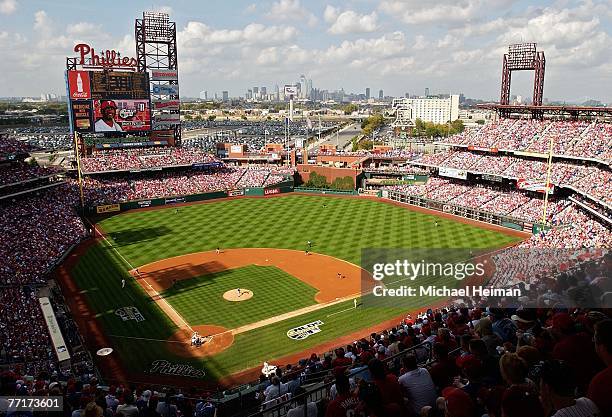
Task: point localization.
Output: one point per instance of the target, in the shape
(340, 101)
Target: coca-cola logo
(106, 59)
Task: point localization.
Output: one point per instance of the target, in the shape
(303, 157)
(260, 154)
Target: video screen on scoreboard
(109, 102)
(122, 115)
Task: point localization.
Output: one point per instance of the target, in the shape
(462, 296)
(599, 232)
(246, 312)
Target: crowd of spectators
(592, 180)
(492, 199)
(36, 231)
(23, 334)
(121, 188)
(142, 158)
(18, 172)
(455, 361)
(484, 361)
(576, 138)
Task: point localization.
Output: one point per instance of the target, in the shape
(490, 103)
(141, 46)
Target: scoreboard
(119, 85)
(109, 102)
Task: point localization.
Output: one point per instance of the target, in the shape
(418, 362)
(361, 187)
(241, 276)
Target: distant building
(367, 93)
(380, 94)
(434, 109)
(426, 91)
(225, 95)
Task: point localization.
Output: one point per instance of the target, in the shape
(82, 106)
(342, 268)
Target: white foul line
(146, 282)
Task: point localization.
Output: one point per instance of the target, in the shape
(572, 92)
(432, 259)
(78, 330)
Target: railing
(319, 390)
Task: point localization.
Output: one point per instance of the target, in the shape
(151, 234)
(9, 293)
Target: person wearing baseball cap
(107, 122)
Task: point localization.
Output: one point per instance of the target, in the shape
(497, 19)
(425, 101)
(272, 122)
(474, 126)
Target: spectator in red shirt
(521, 401)
(341, 360)
(345, 402)
(444, 370)
(599, 389)
(388, 384)
(575, 349)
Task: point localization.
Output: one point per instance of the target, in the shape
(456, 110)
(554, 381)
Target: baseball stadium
(160, 263)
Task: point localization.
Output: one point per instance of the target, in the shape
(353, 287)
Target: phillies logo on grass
(164, 367)
(302, 332)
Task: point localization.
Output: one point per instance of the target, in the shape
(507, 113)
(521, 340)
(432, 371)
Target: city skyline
(395, 45)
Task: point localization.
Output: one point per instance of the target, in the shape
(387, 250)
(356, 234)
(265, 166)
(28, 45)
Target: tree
(350, 108)
(212, 117)
(317, 181)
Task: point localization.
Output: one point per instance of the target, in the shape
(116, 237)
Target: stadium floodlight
(523, 57)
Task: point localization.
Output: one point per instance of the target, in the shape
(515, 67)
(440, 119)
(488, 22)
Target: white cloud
(267, 56)
(420, 43)
(351, 22)
(84, 29)
(330, 14)
(449, 12)
(567, 36)
(162, 9)
(251, 8)
(42, 23)
(196, 34)
(8, 6)
(448, 41)
(291, 10)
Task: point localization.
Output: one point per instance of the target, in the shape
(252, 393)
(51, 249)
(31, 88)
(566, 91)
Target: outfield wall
(280, 188)
(465, 212)
(287, 187)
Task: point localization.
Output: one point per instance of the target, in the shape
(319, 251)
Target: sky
(448, 46)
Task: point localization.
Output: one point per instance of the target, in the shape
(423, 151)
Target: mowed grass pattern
(337, 227)
(200, 300)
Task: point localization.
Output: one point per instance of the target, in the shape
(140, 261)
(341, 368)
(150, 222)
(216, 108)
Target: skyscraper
(225, 96)
(367, 93)
(302, 86)
(308, 88)
(426, 91)
(380, 94)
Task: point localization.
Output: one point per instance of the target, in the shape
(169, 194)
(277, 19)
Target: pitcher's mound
(232, 295)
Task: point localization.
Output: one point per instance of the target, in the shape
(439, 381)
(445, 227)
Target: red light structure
(523, 57)
(156, 52)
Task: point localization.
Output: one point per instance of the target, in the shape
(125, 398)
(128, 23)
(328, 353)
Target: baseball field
(155, 277)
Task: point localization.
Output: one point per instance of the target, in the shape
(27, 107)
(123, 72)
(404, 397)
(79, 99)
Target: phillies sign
(106, 59)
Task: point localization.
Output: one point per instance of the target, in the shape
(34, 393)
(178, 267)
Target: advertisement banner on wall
(122, 115)
(108, 208)
(82, 115)
(271, 191)
(57, 339)
(537, 186)
(166, 104)
(168, 90)
(167, 117)
(235, 149)
(453, 173)
(79, 85)
(164, 75)
(235, 193)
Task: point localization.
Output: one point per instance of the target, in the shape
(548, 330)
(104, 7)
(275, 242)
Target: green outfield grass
(200, 300)
(337, 227)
